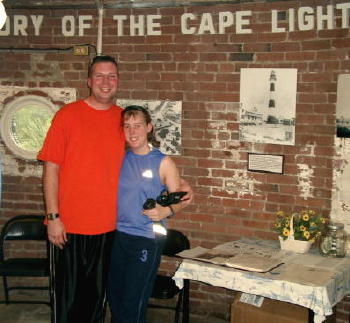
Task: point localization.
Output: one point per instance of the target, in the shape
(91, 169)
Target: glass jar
(332, 243)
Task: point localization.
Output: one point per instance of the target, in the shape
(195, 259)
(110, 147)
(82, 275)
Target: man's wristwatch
(52, 216)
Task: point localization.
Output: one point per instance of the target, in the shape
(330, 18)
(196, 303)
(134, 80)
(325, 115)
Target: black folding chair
(24, 228)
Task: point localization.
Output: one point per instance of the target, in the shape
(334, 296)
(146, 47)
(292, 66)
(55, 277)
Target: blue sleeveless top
(139, 180)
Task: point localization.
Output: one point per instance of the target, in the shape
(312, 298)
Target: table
(309, 280)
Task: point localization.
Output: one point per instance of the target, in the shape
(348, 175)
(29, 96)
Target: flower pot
(297, 246)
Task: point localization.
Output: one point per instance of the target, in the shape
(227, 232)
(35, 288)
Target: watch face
(52, 216)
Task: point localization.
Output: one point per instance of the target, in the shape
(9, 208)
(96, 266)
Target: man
(83, 151)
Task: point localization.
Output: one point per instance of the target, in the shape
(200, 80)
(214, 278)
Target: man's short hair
(102, 59)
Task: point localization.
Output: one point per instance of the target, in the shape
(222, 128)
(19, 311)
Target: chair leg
(6, 291)
(179, 306)
(185, 302)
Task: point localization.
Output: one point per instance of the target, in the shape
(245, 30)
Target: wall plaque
(265, 163)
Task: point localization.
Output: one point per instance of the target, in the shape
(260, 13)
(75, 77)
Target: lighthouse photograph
(342, 110)
(267, 105)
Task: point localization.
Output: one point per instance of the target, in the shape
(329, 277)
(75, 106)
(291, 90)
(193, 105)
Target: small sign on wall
(265, 163)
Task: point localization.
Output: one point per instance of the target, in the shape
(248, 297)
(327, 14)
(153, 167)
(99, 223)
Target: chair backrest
(23, 227)
(175, 242)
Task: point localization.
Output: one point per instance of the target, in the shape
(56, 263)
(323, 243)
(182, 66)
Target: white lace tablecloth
(309, 280)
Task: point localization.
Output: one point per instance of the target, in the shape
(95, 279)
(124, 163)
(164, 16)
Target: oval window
(24, 124)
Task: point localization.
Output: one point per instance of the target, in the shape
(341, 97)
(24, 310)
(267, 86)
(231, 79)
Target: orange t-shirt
(88, 146)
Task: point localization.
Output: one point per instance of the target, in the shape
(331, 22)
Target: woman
(137, 249)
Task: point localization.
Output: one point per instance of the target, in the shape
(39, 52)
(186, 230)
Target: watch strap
(172, 213)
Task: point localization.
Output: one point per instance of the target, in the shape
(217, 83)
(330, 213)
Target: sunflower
(285, 232)
(305, 217)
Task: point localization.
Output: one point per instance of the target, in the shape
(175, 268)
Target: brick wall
(202, 71)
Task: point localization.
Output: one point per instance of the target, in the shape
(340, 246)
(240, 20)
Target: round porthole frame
(6, 122)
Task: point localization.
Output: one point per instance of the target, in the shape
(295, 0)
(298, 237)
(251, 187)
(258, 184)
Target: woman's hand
(158, 213)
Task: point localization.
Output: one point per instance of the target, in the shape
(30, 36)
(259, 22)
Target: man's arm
(55, 228)
(184, 186)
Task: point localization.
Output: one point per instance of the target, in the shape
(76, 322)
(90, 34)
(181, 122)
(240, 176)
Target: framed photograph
(265, 163)
(166, 119)
(342, 111)
(267, 105)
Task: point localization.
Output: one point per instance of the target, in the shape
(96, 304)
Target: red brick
(315, 45)
(300, 56)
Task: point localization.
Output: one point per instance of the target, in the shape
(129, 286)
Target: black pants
(79, 276)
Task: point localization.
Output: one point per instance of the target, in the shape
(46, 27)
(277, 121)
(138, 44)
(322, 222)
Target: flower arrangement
(307, 225)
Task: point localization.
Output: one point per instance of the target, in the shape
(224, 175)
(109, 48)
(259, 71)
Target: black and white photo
(267, 105)
(343, 102)
(166, 116)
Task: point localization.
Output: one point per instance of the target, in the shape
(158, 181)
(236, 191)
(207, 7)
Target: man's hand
(56, 232)
(185, 187)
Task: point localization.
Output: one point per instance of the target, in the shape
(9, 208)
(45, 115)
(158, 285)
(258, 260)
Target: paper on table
(305, 275)
(235, 258)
